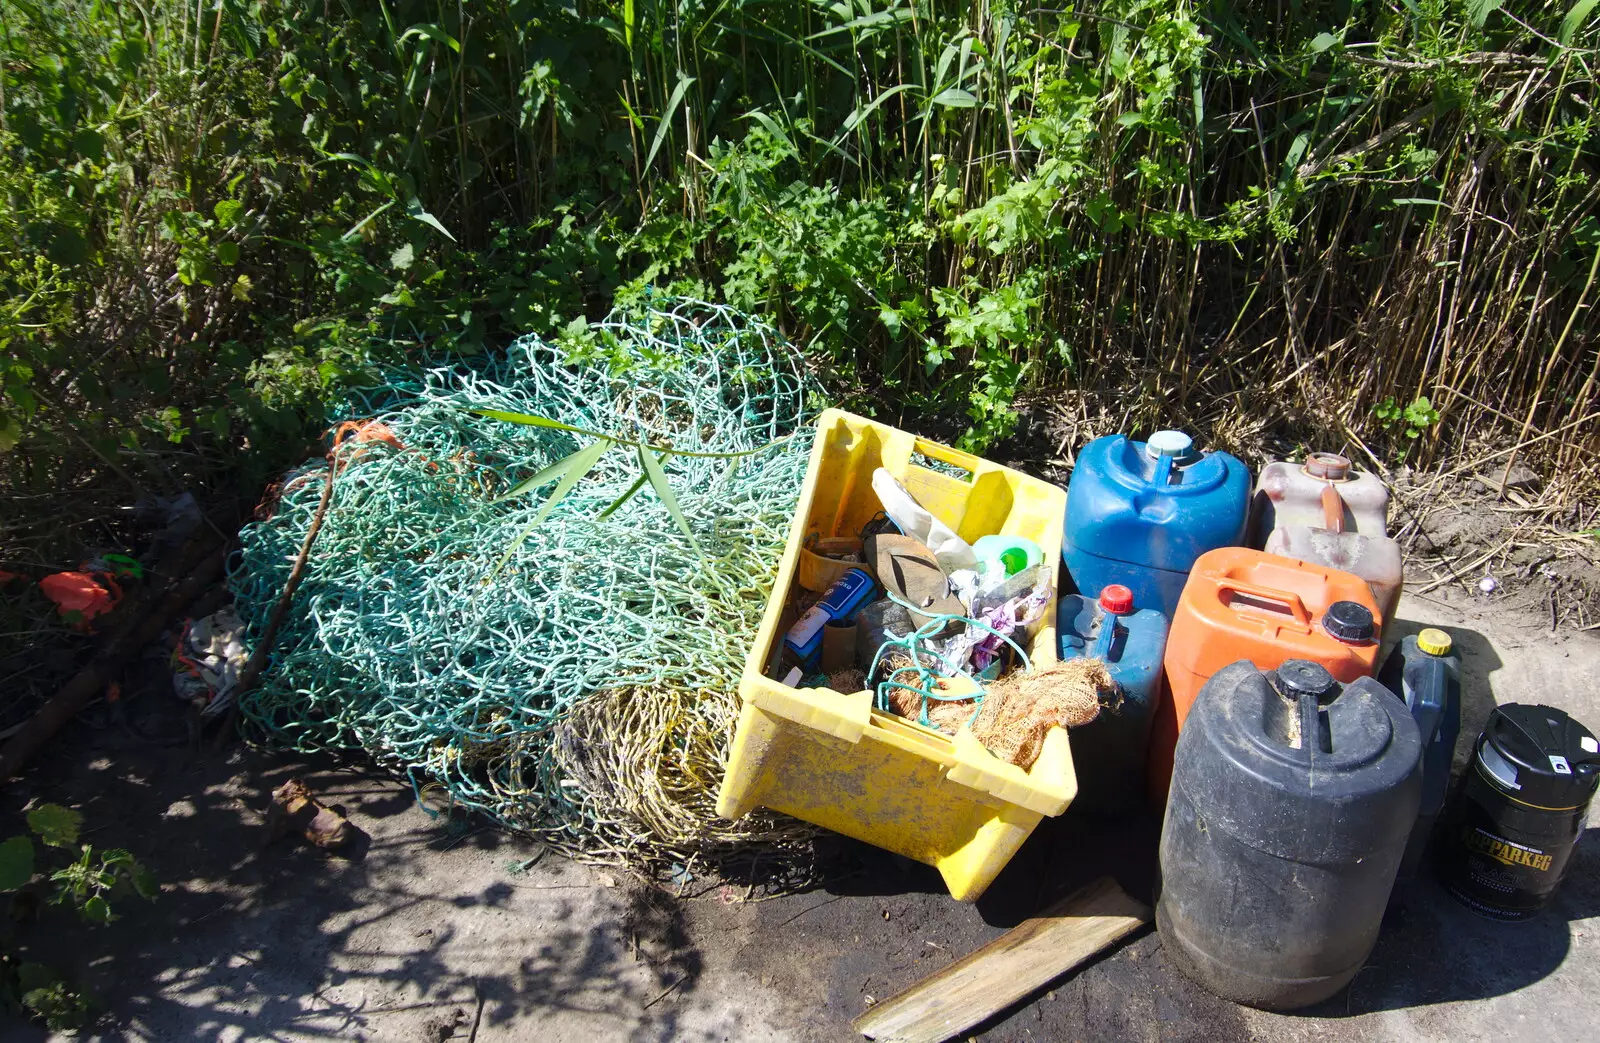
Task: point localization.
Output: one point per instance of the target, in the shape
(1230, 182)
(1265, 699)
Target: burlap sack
(1019, 709)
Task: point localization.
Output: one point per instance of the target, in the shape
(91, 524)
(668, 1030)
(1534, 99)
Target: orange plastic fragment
(79, 596)
(365, 431)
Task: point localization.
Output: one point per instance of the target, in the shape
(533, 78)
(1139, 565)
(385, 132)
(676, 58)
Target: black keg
(1519, 810)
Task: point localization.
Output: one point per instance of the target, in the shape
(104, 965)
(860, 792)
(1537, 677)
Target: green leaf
(1322, 41)
(55, 825)
(666, 119)
(859, 114)
(31, 976)
(403, 257)
(955, 98)
(414, 209)
(663, 488)
(638, 483)
(227, 211)
(581, 463)
(1478, 10)
(777, 132)
(371, 174)
(144, 882)
(1297, 152)
(89, 143)
(1576, 19)
(128, 52)
(227, 253)
(356, 228)
(545, 476)
(16, 863)
(10, 432)
(898, 14)
(527, 419)
(97, 910)
(429, 31)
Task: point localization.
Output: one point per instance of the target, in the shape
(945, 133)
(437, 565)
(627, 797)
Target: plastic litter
(1006, 555)
(81, 597)
(951, 551)
(210, 653)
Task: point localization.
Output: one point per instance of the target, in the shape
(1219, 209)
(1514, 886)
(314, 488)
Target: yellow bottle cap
(1433, 642)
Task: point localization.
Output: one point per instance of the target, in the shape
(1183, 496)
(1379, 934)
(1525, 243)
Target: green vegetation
(88, 882)
(1225, 215)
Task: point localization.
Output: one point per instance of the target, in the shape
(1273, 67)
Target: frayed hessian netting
(586, 690)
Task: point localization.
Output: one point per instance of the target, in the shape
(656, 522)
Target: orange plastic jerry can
(1241, 603)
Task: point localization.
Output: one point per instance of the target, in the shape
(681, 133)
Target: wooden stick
(1019, 962)
(263, 650)
(193, 570)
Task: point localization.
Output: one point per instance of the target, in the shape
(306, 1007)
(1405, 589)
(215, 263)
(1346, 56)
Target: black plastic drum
(1292, 799)
(1520, 808)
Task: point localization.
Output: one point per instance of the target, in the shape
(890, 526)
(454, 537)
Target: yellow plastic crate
(832, 759)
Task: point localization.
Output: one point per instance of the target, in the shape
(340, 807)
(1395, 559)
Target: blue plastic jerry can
(1425, 673)
(1140, 513)
(1108, 752)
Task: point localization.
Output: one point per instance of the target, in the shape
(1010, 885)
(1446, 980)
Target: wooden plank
(1021, 961)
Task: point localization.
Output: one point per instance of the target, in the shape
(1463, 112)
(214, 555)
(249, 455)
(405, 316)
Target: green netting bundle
(584, 690)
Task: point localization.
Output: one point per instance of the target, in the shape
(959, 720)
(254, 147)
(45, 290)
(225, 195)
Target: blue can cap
(1168, 443)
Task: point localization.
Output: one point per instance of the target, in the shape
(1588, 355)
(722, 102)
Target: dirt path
(435, 930)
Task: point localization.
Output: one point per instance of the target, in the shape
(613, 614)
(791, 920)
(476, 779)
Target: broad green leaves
(1478, 11)
(16, 863)
(55, 825)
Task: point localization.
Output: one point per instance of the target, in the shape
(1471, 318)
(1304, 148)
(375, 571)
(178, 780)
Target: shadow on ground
(387, 941)
(1431, 951)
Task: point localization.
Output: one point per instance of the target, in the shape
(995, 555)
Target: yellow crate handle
(973, 465)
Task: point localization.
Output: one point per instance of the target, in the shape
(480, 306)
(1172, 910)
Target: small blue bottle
(1108, 753)
(849, 594)
(1424, 671)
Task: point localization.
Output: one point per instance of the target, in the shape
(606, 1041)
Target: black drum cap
(1350, 622)
(1303, 677)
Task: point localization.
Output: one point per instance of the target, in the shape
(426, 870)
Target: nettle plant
(75, 875)
(1409, 420)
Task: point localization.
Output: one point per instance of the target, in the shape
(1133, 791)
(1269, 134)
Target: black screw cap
(1303, 677)
(1350, 622)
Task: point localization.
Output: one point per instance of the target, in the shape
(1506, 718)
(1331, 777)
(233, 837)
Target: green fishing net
(585, 688)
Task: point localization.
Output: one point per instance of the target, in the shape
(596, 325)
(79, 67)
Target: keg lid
(1540, 755)
(1434, 642)
(1349, 622)
(1303, 677)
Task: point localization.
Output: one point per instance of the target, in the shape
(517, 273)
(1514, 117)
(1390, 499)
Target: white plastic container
(1329, 513)
(1290, 493)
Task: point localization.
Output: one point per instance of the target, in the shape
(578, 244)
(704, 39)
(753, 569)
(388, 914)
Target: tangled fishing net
(584, 688)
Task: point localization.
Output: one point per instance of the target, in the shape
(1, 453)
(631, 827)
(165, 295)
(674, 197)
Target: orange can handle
(1297, 608)
(1332, 509)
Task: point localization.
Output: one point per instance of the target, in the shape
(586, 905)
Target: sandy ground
(432, 930)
